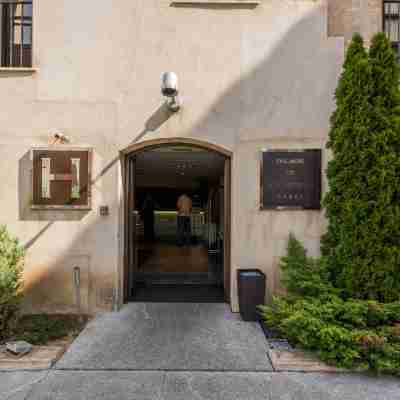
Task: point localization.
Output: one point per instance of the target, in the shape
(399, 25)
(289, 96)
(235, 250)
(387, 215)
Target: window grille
(16, 33)
(391, 24)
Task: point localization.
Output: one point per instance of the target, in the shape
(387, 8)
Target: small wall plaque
(104, 211)
(291, 179)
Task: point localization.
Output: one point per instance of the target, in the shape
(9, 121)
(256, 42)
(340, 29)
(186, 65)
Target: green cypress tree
(347, 123)
(362, 206)
(342, 121)
(344, 92)
(339, 122)
(380, 273)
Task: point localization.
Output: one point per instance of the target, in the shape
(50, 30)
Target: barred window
(16, 33)
(391, 23)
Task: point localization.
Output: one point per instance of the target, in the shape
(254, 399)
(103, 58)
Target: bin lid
(250, 273)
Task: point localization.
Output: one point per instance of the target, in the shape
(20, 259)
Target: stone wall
(337, 13)
(251, 79)
(349, 16)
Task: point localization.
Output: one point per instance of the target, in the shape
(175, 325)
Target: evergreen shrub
(348, 333)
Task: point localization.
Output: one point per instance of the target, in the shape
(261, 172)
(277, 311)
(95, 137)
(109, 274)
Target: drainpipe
(77, 286)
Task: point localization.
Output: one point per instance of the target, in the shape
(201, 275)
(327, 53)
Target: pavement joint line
(222, 371)
(161, 370)
(162, 386)
(269, 359)
(28, 386)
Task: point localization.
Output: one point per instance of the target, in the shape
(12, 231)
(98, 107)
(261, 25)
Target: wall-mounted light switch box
(104, 211)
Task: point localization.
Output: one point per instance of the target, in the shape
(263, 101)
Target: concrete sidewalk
(169, 336)
(170, 385)
(181, 352)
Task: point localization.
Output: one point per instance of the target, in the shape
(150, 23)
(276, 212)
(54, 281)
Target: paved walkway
(181, 352)
(170, 385)
(162, 336)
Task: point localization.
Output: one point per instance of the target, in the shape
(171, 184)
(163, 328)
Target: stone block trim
(345, 17)
(337, 10)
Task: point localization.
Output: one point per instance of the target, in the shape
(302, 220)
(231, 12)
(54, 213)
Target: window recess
(16, 34)
(216, 3)
(391, 24)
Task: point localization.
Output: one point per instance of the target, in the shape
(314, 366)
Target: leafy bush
(40, 329)
(348, 333)
(363, 203)
(11, 255)
(302, 275)
(341, 332)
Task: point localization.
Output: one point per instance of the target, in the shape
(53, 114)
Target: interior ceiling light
(186, 165)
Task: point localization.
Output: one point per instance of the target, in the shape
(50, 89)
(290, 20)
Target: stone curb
(41, 358)
(298, 361)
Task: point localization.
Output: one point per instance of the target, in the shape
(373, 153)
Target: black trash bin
(251, 290)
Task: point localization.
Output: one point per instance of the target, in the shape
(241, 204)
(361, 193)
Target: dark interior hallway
(165, 269)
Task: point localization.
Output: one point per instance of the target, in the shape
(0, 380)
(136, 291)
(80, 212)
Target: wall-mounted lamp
(169, 89)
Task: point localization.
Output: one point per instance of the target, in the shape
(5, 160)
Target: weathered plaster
(250, 79)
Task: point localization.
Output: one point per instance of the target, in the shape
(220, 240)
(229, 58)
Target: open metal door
(227, 230)
(130, 227)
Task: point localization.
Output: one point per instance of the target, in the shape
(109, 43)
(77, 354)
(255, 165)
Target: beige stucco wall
(250, 79)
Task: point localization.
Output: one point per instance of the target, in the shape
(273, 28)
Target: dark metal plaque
(291, 179)
(61, 178)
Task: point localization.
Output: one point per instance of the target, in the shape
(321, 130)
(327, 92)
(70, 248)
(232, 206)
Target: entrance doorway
(172, 253)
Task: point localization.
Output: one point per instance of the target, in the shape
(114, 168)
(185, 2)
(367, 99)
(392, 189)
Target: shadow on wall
(157, 119)
(50, 281)
(286, 95)
(280, 98)
(283, 99)
(50, 285)
(161, 115)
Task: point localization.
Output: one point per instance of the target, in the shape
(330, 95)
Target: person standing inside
(184, 207)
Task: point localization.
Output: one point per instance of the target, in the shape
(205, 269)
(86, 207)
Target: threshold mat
(178, 293)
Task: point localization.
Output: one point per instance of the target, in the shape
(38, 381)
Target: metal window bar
(391, 24)
(75, 187)
(16, 33)
(46, 169)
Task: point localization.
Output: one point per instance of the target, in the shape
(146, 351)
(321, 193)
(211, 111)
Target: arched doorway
(161, 169)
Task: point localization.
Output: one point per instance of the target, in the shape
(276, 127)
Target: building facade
(254, 76)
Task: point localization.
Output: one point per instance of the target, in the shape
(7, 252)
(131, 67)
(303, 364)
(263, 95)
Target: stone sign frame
(88, 174)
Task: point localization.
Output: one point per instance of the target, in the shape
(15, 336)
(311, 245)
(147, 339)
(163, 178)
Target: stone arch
(136, 147)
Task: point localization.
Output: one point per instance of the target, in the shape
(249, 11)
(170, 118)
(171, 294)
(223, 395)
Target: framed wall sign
(291, 179)
(61, 178)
